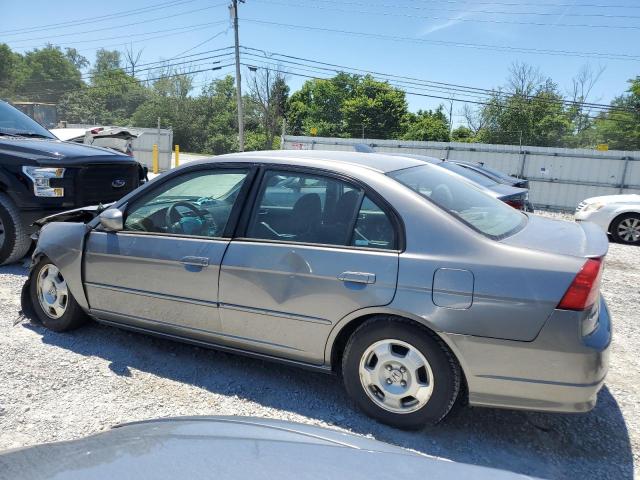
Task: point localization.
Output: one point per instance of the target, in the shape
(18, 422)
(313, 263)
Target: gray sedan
(413, 283)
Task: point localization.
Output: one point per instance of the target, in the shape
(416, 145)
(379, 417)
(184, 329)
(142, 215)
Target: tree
(347, 105)
(462, 134)
(531, 113)
(620, 128)
(268, 92)
(78, 60)
(45, 75)
(428, 125)
(106, 61)
(10, 63)
(132, 58)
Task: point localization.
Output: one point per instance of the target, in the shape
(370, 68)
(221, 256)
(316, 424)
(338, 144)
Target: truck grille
(105, 183)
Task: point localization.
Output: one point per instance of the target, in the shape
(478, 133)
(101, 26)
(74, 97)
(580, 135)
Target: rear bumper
(559, 371)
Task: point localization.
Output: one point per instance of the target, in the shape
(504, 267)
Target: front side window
(463, 199)
(307, 208)
(195, 203)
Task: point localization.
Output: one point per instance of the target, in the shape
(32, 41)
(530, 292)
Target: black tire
(446, 370)
(615, 225)
(16, 240)
(73, 316)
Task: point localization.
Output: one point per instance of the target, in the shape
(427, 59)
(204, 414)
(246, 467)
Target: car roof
(319, 158)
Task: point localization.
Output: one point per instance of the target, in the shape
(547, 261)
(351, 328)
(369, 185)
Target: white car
(618, 215)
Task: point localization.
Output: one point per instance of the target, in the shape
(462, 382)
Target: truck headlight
(40, 176)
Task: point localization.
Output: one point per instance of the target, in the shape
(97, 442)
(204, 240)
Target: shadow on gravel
(593, 445)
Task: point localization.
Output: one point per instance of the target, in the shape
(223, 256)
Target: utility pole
(234, 15)
(450, 117)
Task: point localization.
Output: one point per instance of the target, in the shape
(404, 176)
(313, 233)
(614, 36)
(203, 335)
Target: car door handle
(357, 277)
(195, 261)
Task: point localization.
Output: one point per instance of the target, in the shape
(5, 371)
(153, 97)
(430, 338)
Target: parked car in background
(229, 448)
(501, 186)
(617, 215)
(41, 175)
(412, 281)
(116, 138)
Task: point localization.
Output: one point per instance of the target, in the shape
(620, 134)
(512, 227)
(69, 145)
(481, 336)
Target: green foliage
(621, 129)
(462, 134)
(427, 125)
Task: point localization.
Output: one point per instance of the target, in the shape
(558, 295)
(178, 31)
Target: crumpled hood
(41, 151)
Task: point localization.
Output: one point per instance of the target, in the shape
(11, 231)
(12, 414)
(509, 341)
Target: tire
(67, 314)
(626, 229)
(14, 239)
(376, 389)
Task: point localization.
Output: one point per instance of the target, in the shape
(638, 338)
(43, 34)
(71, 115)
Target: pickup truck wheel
(14, 239)
(52, 301)
(400, 373)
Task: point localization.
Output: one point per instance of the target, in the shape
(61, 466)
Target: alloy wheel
(52, 290)
(396, 376)
(629, 229)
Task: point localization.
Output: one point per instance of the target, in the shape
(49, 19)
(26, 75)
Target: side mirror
(112, 220)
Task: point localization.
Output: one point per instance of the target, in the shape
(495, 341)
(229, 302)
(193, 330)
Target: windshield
(463, 199)
(472, 175)
(14, 122)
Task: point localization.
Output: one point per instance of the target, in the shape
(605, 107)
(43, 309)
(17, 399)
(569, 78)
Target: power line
(533, 4)
(438, 86)
(49, 37)
(200, 44)
(99, 18)
(395, 38)
(457, 19)
(491, 12)
(164, 32)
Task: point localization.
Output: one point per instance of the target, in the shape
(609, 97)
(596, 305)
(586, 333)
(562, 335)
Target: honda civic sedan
(408, 280)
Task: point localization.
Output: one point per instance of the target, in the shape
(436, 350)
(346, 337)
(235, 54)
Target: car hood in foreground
(584, 239)
(228, 448)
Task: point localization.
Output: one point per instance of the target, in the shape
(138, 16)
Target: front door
(162, 271)
(316, 248)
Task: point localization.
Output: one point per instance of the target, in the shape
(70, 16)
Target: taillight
(517, 203)
(583, 291)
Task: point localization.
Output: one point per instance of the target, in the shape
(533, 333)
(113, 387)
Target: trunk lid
(583, 239)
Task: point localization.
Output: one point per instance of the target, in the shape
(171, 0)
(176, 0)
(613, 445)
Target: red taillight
(517, 203)
(583, 291)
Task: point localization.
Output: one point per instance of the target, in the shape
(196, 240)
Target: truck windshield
(15, 123)
(463, 199)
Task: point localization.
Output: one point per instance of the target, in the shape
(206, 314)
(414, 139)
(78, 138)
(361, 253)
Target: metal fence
(559, 178)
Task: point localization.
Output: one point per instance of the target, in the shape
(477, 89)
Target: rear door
(313, 249)
(161, 271)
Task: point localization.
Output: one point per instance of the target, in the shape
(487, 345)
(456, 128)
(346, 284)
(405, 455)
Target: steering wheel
(174, 216)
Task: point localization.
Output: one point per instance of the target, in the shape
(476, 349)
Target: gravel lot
(63, 386)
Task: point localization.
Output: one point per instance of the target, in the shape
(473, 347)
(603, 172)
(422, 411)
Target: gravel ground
(64, 386)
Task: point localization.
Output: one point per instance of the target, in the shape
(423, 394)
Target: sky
(470, 43)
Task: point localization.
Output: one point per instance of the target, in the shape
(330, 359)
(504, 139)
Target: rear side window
(308, 208)
(463, 199)
(373, 227)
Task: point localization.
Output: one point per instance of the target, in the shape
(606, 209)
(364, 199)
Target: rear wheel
(14, 239)
(51, 299)
(626, 228)
(400, 373)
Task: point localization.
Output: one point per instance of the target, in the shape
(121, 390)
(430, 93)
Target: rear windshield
(463, 199)
(472, 175)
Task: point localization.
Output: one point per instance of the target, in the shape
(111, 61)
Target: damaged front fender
(63, 244)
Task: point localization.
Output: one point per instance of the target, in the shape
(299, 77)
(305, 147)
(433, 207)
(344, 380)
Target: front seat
(306, 216)
(337, 231)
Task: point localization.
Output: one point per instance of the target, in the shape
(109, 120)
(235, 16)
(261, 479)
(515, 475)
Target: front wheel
(52, 301)
(400, 373)
(626, 229)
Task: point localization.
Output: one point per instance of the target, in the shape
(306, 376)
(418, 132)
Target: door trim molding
(275, 313)
(144, 293)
